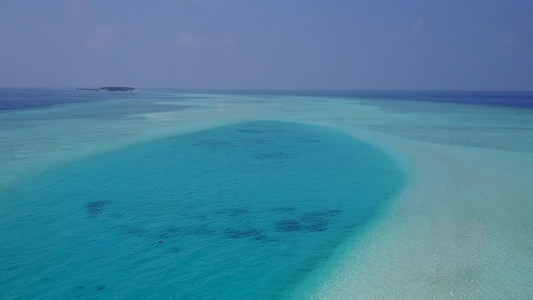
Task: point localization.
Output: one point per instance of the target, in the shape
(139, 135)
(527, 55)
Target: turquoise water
(244, 211)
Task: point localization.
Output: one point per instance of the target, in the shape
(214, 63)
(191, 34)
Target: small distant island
(110, 89)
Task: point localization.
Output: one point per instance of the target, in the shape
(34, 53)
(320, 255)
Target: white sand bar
(462, 229)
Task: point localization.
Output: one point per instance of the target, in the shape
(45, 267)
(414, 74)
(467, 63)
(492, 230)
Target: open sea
(166, 194)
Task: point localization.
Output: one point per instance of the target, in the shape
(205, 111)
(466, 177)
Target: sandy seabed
(461, 229)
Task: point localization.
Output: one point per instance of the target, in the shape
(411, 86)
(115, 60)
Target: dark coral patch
(289, 226)
(314, 225)
(96, 208)
(262, 238)
(287, 209)
(310, 222)
(317, 225)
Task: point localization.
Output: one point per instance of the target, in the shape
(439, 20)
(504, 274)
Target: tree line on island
(110, 89)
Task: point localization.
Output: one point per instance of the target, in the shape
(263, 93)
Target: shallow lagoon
(242, 211)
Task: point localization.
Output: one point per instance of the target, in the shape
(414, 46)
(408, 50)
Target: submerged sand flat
(461, 229)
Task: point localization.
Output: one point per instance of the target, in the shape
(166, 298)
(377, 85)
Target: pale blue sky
(268, 44)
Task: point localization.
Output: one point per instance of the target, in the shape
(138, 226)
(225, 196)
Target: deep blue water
(238, 212)
(509, 99)
(36, 99)
(21, 99)
(521, 99)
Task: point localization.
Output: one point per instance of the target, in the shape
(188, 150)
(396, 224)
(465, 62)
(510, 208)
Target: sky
(268, 44)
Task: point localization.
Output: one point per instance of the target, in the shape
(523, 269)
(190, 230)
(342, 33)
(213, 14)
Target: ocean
(218, 194)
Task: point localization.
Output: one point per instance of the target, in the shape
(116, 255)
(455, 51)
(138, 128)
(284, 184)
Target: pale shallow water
(457, 231)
